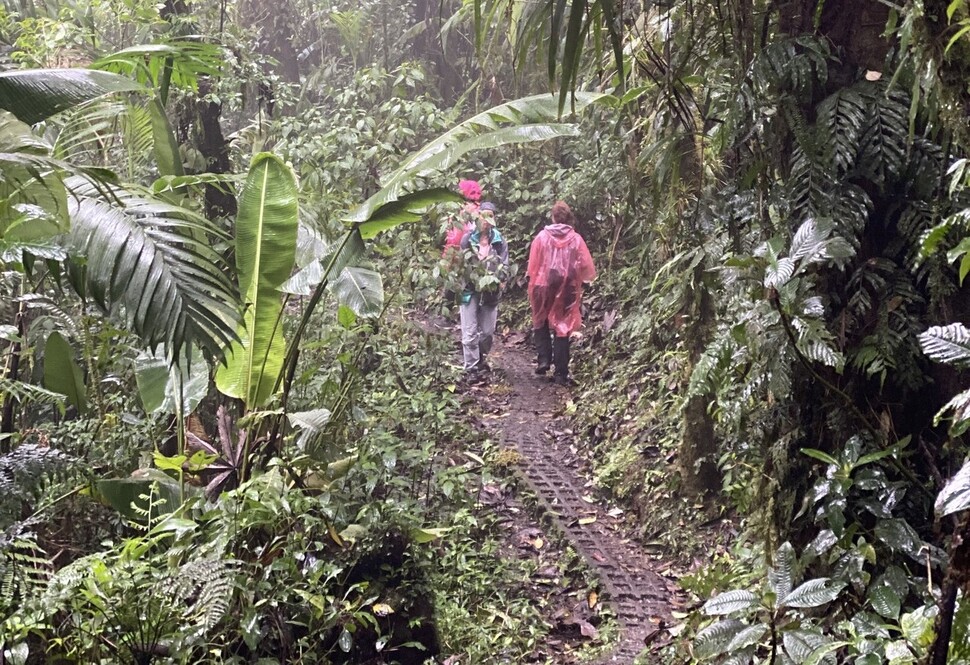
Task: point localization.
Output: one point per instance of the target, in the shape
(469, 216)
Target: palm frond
(36, 94)
(152, 263)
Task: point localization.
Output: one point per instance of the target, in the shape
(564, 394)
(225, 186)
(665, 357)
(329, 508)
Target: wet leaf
(345, 641)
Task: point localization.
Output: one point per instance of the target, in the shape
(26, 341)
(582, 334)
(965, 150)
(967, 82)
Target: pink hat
(470, 190)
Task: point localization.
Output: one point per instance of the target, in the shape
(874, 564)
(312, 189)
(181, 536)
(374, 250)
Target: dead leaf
(588, 630)
(586, 520)
(382, 609)
(592, 599)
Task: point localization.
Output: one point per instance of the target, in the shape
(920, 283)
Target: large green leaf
(947, 344)
(165, 146)
(781, 575)
(713, 640)
(266, 232)
(813, 593)
(150, 262)
(522, 120)
(36, 94)
(360, 289)
(730, 602)
(408, 208)
(165, 387)
(955, 495)
(147, 496)
(62, 374)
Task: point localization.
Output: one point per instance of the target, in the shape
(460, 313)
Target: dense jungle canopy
(234, 426)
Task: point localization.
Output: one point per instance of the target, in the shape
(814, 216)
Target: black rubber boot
(540, 338)
(560, 357)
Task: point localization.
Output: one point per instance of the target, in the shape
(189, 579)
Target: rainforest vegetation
(231, 432)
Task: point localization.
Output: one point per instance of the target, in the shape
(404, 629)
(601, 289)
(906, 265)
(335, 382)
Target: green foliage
(153, 264)
(61, 374)
(35, 95)
(266, 230)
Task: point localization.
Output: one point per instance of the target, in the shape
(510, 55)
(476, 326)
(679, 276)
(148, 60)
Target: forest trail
(525, 412)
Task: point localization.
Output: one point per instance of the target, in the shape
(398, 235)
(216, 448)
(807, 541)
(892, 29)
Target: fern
(44, 309)
(841, 120)
(886, 138)
(24, 570)
(26, 393)
(205, 588)
(22, 470)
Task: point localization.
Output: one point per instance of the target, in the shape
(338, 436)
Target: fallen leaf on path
(588, 630)
(586, 520)
(588, 499)
(592, 599)
(599, 558)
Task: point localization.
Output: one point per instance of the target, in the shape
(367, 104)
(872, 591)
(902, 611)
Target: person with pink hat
(458, 225)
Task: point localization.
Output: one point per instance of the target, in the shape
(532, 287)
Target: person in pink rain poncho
(465, 221)
(559, 264)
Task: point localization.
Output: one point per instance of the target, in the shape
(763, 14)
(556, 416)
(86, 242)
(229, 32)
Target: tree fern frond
(849, 209)
(25, 393)
(45, 309)
(23, 469)
(815, 342)
(708, 372)
(205, 587)
(103, 132)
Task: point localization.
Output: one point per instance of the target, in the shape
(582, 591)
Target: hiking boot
(472, 377)
(560, 380)
(542, 369)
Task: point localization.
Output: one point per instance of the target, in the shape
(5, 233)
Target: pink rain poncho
(559, 263)
(462, 223)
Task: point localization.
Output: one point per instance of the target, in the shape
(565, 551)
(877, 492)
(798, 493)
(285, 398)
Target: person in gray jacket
(486, 259)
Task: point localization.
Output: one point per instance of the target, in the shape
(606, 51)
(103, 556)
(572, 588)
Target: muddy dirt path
(525, 414)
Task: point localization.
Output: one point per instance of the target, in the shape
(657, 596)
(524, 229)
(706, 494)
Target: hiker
(485, 256)
(559, 264)
(458, 225)
(465, 221)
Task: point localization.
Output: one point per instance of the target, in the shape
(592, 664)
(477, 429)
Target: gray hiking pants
(477, 331)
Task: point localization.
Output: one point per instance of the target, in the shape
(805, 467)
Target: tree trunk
(214, 147)
(698, 445)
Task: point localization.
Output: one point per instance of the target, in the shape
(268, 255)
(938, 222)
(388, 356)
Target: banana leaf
(266, 232)
(522, 120)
